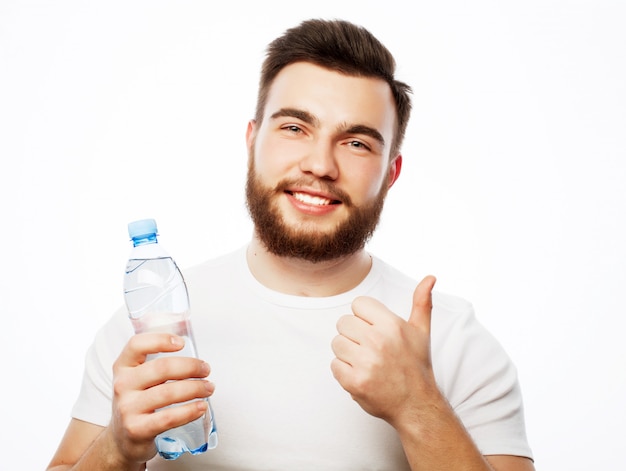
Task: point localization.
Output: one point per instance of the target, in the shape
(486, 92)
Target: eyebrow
(298, 114)
(365, 130)
(309, 118)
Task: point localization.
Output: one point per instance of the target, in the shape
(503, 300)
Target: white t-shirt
(277, 405)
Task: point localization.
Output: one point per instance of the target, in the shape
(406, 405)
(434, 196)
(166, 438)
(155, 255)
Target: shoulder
(397, 288)
(459, 342)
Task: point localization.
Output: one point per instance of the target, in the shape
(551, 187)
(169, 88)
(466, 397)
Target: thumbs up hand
(384, 361)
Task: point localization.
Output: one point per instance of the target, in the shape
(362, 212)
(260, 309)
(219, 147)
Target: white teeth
(310, 199)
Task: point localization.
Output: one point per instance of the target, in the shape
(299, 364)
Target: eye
(358, 145)
(292, 128)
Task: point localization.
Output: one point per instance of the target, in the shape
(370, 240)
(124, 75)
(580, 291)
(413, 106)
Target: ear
(250, 133)
(394, 169)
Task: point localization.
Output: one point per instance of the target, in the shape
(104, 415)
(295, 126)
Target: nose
(320, 161)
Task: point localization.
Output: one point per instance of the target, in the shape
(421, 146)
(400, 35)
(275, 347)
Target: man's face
(319, 165)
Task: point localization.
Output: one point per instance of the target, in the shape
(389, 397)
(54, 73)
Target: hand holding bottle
(142, 390)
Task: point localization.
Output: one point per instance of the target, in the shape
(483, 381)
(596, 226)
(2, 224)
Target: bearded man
(323, 356)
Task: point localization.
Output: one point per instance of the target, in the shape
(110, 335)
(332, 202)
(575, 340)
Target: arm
(442, 442)
(84, 446)
(384, 363)
(139, 389)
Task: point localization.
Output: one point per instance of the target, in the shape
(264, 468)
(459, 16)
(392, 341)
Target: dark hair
(341, 46)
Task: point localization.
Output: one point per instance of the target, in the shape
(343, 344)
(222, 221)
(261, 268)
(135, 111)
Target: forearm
(433, 437)
(101, 455)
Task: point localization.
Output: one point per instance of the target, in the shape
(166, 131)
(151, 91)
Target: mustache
(317, 184)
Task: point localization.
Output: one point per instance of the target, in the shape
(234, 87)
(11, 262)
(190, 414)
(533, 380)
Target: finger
(341, 370)
(164, 369)
(182, 414)
(423, 303)
(157, 371)
(370, 310)
(345, 349)
(141, 345)
(352, 327)
(141, 427)
(175, 392)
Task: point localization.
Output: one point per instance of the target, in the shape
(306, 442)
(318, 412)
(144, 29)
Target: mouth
(314, 200)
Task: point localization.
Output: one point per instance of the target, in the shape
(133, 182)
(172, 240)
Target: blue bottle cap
(142, 229)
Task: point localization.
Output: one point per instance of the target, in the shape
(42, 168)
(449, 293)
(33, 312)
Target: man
(324, 356)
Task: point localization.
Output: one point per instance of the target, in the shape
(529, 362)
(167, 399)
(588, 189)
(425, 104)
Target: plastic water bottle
(157, 301)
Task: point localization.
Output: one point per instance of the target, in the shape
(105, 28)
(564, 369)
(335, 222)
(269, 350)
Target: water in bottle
(157, 301)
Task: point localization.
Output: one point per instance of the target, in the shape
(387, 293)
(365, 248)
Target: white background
(512, 192)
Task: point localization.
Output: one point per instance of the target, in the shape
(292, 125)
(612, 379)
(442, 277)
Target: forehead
(332, 96)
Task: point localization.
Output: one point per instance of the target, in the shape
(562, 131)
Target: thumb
(422, 303)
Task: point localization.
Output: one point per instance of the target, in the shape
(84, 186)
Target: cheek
(366, 181)
(274, 158)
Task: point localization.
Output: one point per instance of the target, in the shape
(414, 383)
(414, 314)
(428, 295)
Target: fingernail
(179, 342)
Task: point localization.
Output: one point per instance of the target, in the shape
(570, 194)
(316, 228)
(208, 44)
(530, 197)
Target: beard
(306, 241)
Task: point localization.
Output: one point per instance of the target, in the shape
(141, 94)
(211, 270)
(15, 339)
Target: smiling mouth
(312, 199)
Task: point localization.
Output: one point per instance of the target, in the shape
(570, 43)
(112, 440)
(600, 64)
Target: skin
(310, 136)
(319, 125)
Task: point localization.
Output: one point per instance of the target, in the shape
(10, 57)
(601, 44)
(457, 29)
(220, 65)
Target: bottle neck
(145, 239)
(147, 249)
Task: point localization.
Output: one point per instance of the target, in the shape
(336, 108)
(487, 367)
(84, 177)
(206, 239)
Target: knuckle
(201, 389)
(167, 419)
(359, 303)
(205, 388)
(134, 429)
(134, 342)
(195, 389)
(161, 366)
(177, 415)
(119, 385)
(360, 383)
(377, 341)
(167, 393)
(396, 328)
(123, 410)
(341, 322)
(336, 369)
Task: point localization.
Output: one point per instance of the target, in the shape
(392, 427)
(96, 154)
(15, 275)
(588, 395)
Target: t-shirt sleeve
(479, 380)
(93, 404)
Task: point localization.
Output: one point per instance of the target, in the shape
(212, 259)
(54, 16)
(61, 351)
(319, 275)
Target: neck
(303, 278)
